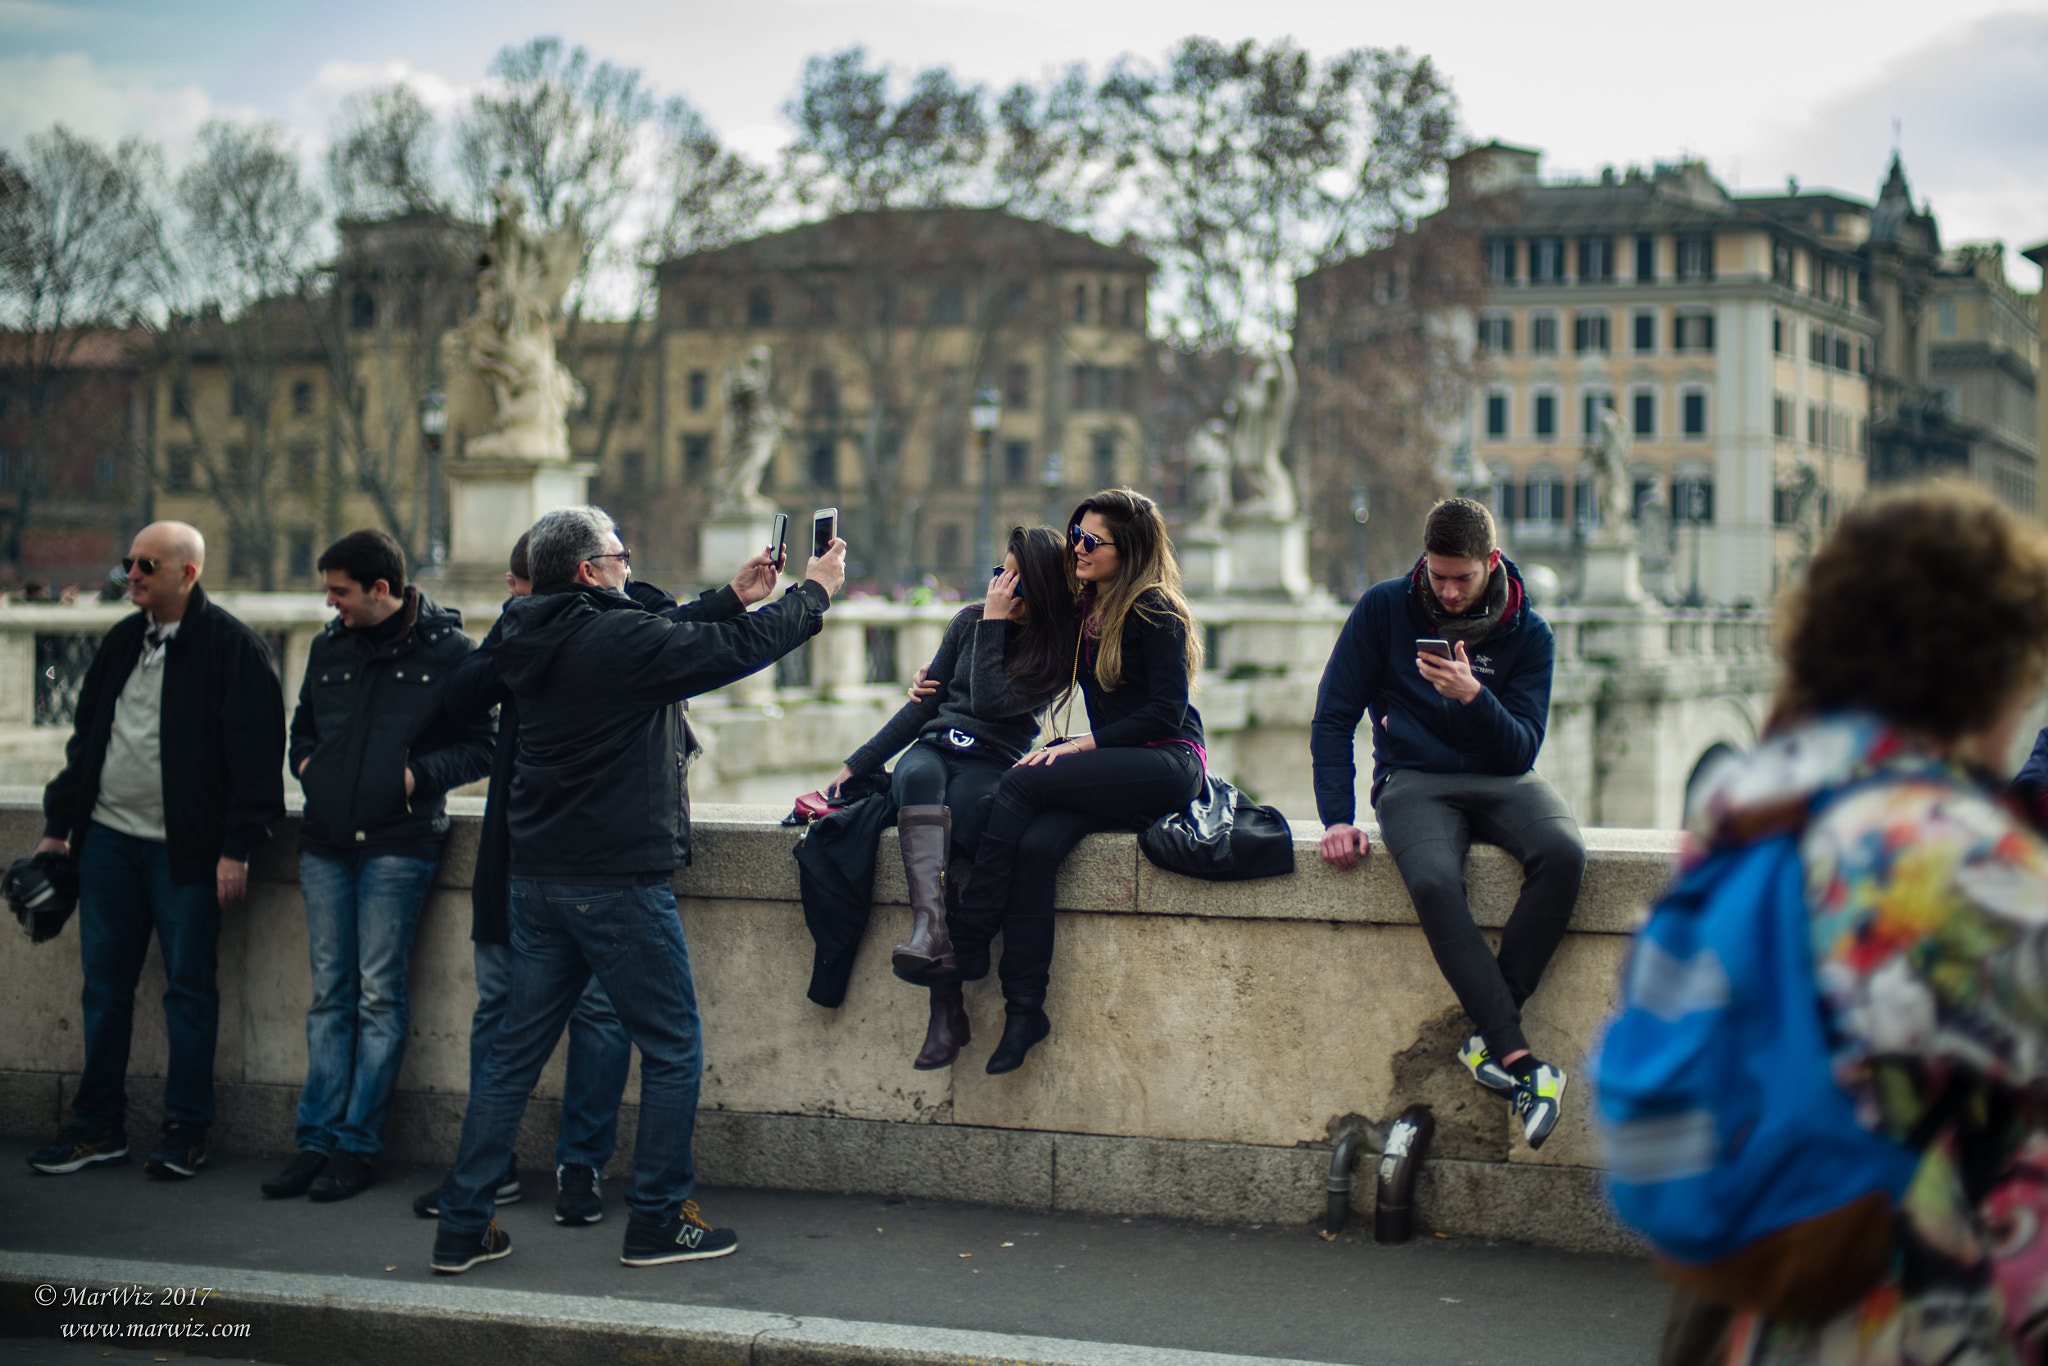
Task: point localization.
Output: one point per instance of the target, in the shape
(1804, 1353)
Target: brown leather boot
(947, 1033)
(926, 834)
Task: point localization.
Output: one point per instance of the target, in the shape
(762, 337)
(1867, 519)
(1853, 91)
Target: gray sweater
(975, 696)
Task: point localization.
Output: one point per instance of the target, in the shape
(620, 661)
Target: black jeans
(1428, 821)
(932, 774)
(1040, 814)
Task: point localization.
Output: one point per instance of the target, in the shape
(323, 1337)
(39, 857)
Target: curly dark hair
(1927, 606)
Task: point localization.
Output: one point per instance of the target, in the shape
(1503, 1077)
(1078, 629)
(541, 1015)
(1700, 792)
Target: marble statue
(748, 438)
(1614, 486)
(510, 339)
(1208, 480)
(1261, 408)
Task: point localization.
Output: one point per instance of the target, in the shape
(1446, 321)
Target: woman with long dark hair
(1138, 656)
(997, 670)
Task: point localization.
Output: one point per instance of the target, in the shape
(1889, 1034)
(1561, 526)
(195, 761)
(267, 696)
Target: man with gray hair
(599, 820)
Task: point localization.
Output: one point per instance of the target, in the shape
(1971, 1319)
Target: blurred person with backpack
(1820, 1101)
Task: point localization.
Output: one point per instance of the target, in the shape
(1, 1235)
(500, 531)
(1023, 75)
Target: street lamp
(433, 422)
(986, 412)
(1054, 477)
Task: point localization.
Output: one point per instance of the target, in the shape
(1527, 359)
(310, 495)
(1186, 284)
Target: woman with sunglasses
(1138, 654)
(997, 670)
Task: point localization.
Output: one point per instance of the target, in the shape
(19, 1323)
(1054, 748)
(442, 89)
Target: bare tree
(76, 227)
(383, 160)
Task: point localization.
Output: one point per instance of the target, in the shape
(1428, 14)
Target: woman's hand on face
(839, 780)
(1002, 596)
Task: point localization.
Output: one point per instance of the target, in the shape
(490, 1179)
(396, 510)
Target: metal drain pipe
(1339, 1184)
(1393, 1219)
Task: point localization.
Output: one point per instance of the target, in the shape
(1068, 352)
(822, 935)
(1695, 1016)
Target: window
(1080, 303)
(362, 310)
(1862, 358)
(824, 304)
(302, 466)
(1102, 450)
(1645, 325)
(302, 397)
(1695, 413)
(1782, 264)
(1813, 432)
(1134, 307)
(1817, 345)
(1596, 260)
(949, 304)
(298, 555)
(1590, 333)
(1497, 415)
(1544, 498)
(1497, 335)
(949, 545)
(1017, 386)
(1692, 497)
(696, 455)
(700, 390)
(1842, 353)
(1693, 332)
(1543, 334)
(632, 469)
(1502, 493)
(1016, 463)
(1643, 418)
(697, 310)
(180, 464)
(1696, 258)
(245, 555)
(1646, 259)
(1781, 416)
(760, 307)
(1500, 260)
(1545, 417)
(824, 393)
(1592, 403)
(1778, 334)
(825, 462)
(241, 399)
(181, 401)
(1546, 260)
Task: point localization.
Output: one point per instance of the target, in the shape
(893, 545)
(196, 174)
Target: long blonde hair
(1144, 563)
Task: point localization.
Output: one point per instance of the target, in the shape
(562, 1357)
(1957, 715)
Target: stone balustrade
(1209, 1040)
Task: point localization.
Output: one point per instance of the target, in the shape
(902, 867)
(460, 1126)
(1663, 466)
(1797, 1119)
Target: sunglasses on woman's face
(1089, 543)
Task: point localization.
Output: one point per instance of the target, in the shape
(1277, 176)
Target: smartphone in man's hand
(1440, 648)
(778, 541)
(824, 530)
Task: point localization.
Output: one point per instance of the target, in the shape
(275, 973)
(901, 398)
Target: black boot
(926, 836)
(979, 912)
(1024, 1026)
(946, 1033)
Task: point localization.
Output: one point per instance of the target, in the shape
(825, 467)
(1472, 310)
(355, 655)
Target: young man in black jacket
(376, 757)
(1454, 743)
(174, 773)
(599, 818)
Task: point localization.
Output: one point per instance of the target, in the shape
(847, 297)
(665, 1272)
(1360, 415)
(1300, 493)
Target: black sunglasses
(1091, 544)
(149, 566)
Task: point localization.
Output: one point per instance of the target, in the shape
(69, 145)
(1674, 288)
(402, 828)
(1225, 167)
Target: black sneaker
(347, 1174)
(685, 1238)
(428, 1206)
(178, 1154)
(577, 1200)
(296, 1178)
(455, 1253)
(81, 1145)
(1538, 1101)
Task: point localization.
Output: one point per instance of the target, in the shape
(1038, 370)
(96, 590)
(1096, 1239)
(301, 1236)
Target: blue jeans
(125, 891)
(562, 933)
(599, 1056)
(360, 914)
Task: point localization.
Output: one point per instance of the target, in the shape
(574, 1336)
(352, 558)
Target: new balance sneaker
(1488, 1073)
(428, 1206)
(577, 1200)
(1538, 1100)
(455, 1253)
(81, 1145)
(685, 1238)
(179, 1153)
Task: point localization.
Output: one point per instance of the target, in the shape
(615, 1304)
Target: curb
(299, 1320)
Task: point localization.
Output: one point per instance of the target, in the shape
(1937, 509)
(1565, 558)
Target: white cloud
(68, 88)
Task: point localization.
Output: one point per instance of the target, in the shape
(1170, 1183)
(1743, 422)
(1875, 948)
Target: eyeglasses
(149, 566)
(624, 557)
(1091, 544)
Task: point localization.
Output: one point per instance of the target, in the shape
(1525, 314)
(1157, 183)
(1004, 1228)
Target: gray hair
(563, 539)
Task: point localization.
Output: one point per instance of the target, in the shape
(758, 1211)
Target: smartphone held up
(824, 530)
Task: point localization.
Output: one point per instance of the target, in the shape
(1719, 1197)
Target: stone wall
(1208, 1039)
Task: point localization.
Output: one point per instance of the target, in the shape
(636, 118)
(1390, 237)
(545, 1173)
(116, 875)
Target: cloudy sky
(1763, 89)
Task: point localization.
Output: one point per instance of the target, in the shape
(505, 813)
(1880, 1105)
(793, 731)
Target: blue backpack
(1728, 1143)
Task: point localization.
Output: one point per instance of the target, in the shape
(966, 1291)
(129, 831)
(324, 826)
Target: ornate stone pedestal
(727, 540)
(1204, 565)
(1612, 572)
(1268, 558)
(491, 503)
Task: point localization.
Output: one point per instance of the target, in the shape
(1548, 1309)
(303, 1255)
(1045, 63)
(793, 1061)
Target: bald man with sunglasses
(173, 775)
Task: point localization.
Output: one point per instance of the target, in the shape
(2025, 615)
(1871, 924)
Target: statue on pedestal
(1208, 481)
(521, 277)
(1614, 486)
(1261, 409)
(748, 438)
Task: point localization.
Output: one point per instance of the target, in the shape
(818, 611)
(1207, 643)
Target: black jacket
(835, 863)
(369, 709)
(222, 737)
(1150, 702)
(599, 785)
(975, 696)
(472, 692)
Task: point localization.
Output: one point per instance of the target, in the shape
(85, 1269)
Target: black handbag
(1221, 836)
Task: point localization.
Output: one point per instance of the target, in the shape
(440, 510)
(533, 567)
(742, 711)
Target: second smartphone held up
(824, 530)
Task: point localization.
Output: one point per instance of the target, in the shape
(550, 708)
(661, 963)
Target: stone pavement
(818, 1278)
